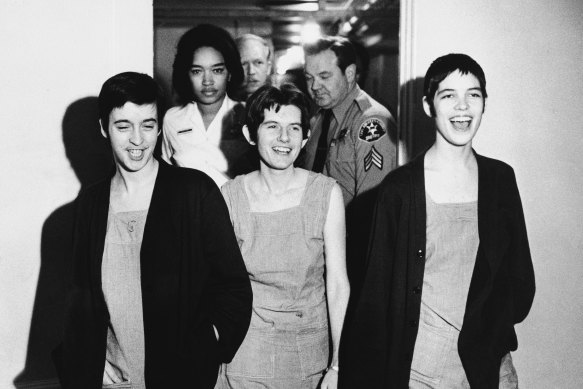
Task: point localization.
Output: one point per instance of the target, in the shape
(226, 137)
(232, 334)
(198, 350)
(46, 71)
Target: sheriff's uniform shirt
(362, 144)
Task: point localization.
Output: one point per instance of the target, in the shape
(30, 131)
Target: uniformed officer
(359, 148)
(353, 140)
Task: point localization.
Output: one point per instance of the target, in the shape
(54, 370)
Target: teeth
(282, 149)
(461, 123)
(136, 153)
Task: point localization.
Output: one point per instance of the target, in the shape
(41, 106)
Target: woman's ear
(426, 107)
(306, 139)
(103, 132)
(247, 135)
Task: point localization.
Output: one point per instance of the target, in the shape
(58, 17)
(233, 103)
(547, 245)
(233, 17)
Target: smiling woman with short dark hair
(449, 267)
(160, 294)
(289, 223)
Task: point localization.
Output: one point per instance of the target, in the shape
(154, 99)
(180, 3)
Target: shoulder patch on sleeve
(371, 130)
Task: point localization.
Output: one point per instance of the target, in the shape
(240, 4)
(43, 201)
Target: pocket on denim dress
(431, 349)
(254, 359)
(314, 349)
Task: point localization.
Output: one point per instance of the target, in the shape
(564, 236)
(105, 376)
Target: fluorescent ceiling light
(346, 28)
(305, 6)
(310, 32)
(372, 40)
(292, 59)
(295, 39)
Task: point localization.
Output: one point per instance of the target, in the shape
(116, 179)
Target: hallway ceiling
(373, 17)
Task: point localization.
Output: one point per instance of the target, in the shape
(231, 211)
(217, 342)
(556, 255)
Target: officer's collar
(341, 109)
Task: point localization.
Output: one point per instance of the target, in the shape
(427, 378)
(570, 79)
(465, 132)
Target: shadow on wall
(90, 157)
(419, 134)
(170, 98)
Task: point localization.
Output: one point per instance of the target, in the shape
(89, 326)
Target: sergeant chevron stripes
(373, 157)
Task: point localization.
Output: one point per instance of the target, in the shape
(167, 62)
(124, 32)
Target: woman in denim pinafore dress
(290, 227)
(449, 267)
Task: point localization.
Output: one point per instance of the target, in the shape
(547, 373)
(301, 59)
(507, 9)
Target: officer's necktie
(322, 149)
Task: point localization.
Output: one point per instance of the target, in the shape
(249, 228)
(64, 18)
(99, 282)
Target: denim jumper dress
(451, 249)
(287, 342)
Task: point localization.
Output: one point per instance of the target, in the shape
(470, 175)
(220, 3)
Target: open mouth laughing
(136, 154)
(461, 123)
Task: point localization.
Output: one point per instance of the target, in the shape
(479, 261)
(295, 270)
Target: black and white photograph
(291, 194)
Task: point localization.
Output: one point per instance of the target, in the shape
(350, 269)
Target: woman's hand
(330, 380)
(111, 375)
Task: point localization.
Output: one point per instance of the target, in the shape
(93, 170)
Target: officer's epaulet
(363, 101)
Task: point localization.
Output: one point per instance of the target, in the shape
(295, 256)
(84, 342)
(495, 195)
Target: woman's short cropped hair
(137, 88)
(271, 97)
(205, 35)
(443, 67)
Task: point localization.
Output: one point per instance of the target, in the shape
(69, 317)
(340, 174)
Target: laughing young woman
(449, 268)
(290, 226)
(160, 294)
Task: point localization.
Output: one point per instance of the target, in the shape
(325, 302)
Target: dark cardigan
(192, 276)
(384, 329)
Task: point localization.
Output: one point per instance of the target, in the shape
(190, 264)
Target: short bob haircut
(271, 97)
(443, 67)
(204, 35)
(137, 88)
(342, 47)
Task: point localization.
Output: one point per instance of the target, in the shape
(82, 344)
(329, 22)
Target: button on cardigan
(384, 328)
(192, 277)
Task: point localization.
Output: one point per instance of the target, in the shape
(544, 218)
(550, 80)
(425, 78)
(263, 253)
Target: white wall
(53, 54)
(532, 54)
